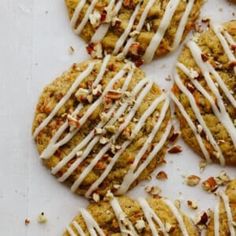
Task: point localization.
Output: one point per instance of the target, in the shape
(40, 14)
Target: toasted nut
(210, 185)
(96, 197)
(192, 205)
(152, 190)
(73, 122)
(222, 179)
(202, 219)
(174, 137)
(161, 175)
(192, 180)
(175, 149)
(27, 221)
(140, 225)
(177, 204)
(113, 95)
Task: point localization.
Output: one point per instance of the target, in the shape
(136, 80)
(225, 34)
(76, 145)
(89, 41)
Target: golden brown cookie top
(205, 93)
(125, 216)
(135, 29)
(102, 126)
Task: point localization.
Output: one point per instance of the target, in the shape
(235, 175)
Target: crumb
(152, 190)
(162, 175)
(210, 185)
(192, 205)
(192, 180)
(71, 50)
(175, 149)
(27, 221)
(42, 219)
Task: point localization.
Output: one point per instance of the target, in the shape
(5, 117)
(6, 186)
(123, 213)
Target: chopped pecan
(192, 180)
(175, 149)
(161, 175)
(210, 185)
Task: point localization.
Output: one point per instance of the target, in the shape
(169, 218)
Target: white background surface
(35, 37)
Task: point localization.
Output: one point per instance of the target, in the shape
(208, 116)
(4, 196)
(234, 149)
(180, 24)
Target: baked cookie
(102, 126)
(124, 216)
(135, 29)
(205, 93)
(223, 219)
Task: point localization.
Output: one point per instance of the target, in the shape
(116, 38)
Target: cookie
(125, 216)
(204, 93)
(135, 29)
(102, 126)
(222, 220)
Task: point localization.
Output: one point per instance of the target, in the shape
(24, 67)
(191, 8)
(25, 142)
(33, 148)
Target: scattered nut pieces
(202, 219)
(27, 221)
(96, 197)
(104, 140)
(162, 175)
(222, 179)
(99, 131)
(177, 204)
(153, 190)
(174, 137)
(192, 205)
(73, 122)
(114, 95)
(169, 228)
(175, 149)
(202, 165)
(192, 180)
(140, 225)
(210, 185)
(42, 219)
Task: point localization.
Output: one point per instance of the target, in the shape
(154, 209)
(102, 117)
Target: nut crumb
(162, 175)
(175, 149)
(192, 205)
(42, 219)
(192, 180)
(27, 221)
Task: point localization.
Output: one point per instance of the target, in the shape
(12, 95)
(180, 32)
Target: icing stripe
(139, 26)
(86, 17)
(217, 30)
(70, 231)
(228, 212)
(127, 227)
(135, 131)
(128, 118)
(182, 24)
(76, 13)
(96, 139)
(217, 220)
(222, 117)
(199, 117)
(192, 126)
(150, 215)
(71, 90)
(133, 174)
(78, 228)
(124, 36)
(165, 22)
(91, 224)
(103, 29)
(177, 215)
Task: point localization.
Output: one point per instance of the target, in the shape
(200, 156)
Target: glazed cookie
(136, 29)
(124, 216)
(205, 93)
(102, 126)
(223, 219)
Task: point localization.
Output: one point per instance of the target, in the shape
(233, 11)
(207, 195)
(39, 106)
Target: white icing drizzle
(228, 212)
(229, 38)
(91, 224)
(224, 118)
(133, 174)
(84, 142)
(150, 215)
(86, 17)
(127, 227)
(124, 36)
(70, 231)
(177, 215)
(165, 22)
(89, 137)
(128, 118)
(54, 146)
(182, 24)
(217, 30)
(139, 26)
(192, 126)
(217, 220)
(199, 117)
(77, 227)
(135, 131)
(72, 89)
(76, 13)
(103, 28)
(206, 69)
